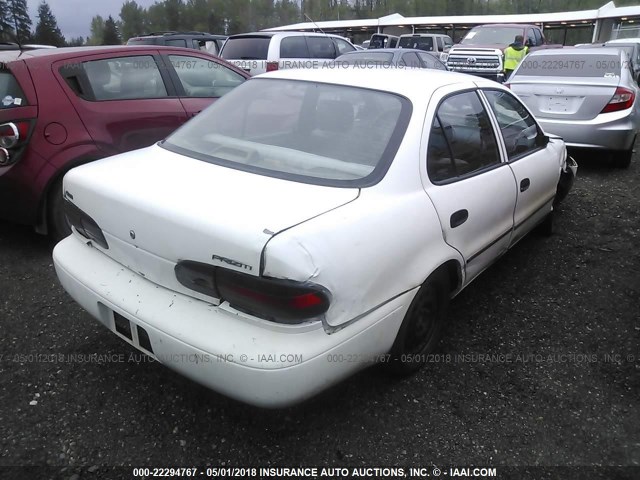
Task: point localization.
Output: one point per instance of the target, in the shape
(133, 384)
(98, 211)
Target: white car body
(371, 247)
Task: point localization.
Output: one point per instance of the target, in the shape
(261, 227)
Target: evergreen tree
(76, 42)
(47, 30)
(97, 31)
(6, 30)
(132, 18)
(19, 17)
(111, 36)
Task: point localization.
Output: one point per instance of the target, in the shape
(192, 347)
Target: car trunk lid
(566, 98)
(166, 207)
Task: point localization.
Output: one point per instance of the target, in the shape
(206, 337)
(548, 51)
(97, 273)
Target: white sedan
(307, 225)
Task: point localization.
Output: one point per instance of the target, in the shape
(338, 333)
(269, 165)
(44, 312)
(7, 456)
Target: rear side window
(246, 48)
(11, 94)
(204, 78)
(294, 47)
(125, 78)
(431, 61)
(565, 65)
(321, 47)
(462, 140)
(411, 60)
(343, 46)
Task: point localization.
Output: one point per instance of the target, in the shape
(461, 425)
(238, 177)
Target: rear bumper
(255, 362)
(609, 131)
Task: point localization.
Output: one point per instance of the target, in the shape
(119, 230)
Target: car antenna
(311, 20)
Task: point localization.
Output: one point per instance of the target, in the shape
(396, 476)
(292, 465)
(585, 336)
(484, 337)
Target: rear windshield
(492, 36)
(246, 48)
(11, 95)
(421, 43)
(307, 131)
(565, 65)
(142, 41)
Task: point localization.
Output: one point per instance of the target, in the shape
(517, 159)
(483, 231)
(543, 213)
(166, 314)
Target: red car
(60, 108)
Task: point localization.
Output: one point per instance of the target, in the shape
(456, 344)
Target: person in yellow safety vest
(513, 55)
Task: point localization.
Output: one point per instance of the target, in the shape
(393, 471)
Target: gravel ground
(539, 366)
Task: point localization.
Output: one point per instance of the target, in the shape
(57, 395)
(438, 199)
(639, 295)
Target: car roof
(625, 40)
(69, 52)
(410, 83)
(607, 50)
(285, 34)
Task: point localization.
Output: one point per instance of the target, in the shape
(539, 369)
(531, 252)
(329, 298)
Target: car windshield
(11, 94)
(301, 130)
(567, 65)
(492, 36)
(246, 48)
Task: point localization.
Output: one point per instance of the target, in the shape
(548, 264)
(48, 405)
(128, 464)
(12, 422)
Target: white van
(267, 51)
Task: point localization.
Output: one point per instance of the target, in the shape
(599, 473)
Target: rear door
(473, 191)
(199, 79)
(125, 100)
(532, 158)
(567, 87)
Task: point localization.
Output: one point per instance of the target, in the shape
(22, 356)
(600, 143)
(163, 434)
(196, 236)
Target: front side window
(204, 78)
(125, 78)
(307, 131)
(321, 47)
(461, 141)
(343, 46)
(519, 129)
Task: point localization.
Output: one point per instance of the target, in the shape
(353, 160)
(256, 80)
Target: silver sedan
(586, 96)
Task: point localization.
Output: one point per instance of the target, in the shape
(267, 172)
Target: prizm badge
(232, 262)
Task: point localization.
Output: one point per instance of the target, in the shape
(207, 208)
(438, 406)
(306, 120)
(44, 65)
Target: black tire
(545, 228)
(623, 159)
(59, 226)
(422, 326)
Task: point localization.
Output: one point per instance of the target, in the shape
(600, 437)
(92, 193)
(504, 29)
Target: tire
(422, 326)
(545, 228)
(623, 159)
(59, 226)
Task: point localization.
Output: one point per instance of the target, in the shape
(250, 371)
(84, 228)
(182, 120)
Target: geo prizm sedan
(307, 225)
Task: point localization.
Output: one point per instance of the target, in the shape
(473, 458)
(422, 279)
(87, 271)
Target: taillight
(281, 301)
(272, 66)
(622, 99)
(84, 224)
(13, 137)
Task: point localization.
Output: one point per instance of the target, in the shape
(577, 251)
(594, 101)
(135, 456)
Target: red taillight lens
(84, 224)
(282, 301)
(272, 66)
(622, 99)
(12, 133)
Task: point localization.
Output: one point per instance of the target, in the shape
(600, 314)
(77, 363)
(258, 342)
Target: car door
(125, 100)
(532, 159)
(200, 80)
(472, 189)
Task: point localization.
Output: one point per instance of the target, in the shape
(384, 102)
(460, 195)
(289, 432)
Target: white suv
(267, 51)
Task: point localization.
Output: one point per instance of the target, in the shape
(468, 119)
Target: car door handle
(458, 218)
(525, 184)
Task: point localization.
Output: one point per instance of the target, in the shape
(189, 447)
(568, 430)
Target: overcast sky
(74, 16)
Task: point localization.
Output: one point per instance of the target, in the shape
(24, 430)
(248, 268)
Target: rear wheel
(623, 159)
(422, 326)
(59, 226)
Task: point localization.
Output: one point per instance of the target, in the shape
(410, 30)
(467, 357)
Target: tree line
(237, 16)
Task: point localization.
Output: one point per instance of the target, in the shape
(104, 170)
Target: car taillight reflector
(84, 224)
(622, 99)
(282, 301)
(272, 66)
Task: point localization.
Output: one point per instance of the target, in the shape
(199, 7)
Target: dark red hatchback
(60, 108)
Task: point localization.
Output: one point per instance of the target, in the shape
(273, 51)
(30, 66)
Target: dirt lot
(540, 366)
